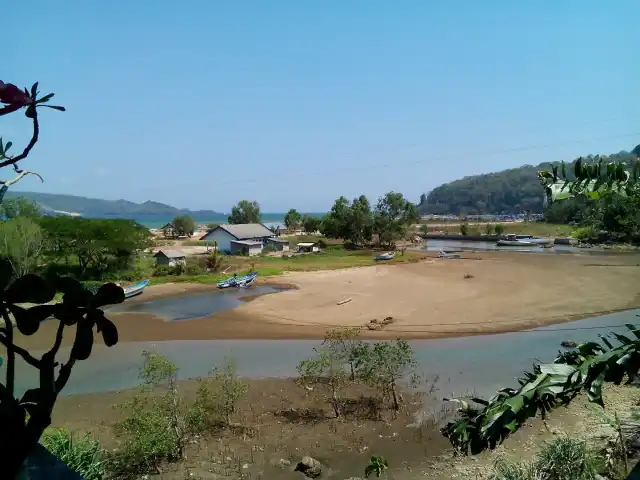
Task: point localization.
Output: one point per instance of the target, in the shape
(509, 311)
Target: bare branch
(30, 145)
(20, 176)
(11, 354)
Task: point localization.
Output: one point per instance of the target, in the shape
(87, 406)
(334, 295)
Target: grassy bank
(332, 258)
(537, 229)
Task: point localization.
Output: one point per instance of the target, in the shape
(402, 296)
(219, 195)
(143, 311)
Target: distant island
(56, 204)
(512, 191)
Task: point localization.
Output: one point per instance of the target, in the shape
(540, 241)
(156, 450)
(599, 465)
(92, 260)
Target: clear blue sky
(292, 103)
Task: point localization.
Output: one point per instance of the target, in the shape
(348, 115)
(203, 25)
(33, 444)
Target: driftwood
(344, 301)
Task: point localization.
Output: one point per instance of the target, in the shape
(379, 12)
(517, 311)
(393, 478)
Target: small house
(169, 230)
(170, 258)
(245, 247)
(308, 247)
(224, 235)
(279, 244)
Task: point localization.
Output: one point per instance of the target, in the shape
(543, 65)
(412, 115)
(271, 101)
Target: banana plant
(547, 386)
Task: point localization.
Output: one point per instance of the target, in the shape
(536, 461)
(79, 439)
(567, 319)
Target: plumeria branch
(15, 99)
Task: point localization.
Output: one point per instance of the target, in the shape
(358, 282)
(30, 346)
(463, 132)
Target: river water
(480, 363)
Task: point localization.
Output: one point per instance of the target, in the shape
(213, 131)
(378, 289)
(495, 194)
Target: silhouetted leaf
(83, 343)
(108, 294)
(73, 291)
(109, 333)
(30, 288)
(30, 112)
(27, 324)
(69, 315)
(6, 271)
(34, 90)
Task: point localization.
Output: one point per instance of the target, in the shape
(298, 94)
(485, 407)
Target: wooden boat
(444, 254)
(524, 241)
(386, 256)
(516, 243)
(137, 289)
(247, 283)
(237, 281)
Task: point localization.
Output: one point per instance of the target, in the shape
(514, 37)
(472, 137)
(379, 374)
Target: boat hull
(136, 289)
(237, 281)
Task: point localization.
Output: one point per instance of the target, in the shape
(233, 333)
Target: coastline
(485, 293)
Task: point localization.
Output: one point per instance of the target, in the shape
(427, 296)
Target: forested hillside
(510, 191)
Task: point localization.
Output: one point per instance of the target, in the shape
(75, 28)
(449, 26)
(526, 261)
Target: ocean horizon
(269, 219)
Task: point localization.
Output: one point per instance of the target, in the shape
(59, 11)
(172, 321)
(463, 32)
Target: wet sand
(480, 293)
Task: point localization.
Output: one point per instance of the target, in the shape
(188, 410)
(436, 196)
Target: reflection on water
(189, 307)
(481, 363)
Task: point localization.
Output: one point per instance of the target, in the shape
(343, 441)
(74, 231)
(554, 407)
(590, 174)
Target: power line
(307, 173)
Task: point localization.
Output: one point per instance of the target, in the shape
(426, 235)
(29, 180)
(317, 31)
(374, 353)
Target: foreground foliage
(562, 459)
(548, 386)
(83, 455)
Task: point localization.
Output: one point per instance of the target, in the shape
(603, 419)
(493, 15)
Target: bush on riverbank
(83, 455)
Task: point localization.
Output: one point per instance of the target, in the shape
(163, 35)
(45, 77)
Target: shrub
(192, 267)
(488, 229)
(82, 455)
(499, 229)
(464, 229)
(162, 270)
(218, 397)
(155, 429)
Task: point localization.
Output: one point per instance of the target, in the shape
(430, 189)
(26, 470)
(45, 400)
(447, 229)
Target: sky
(200, 104)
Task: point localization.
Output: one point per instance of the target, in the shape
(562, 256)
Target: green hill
(97, 208)
(507, 192)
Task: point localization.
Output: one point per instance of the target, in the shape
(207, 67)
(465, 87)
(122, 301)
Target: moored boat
(386, 256)
(237, 281)
(524, 241)
(137, 289)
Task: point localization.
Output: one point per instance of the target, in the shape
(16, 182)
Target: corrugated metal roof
(278, 240)
(242, 231)
(171, 253)
(249, 243)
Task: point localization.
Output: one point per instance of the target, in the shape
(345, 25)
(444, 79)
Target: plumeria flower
(14, 98)
(12, 95)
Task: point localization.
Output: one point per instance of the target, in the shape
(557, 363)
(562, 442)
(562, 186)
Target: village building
(170, 258)
(308, 247)
(243, 239)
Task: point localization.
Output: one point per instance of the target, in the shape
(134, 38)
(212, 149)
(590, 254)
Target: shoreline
(483, 294)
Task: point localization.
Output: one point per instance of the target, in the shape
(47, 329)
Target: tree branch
(30, 145)
(20, 176)
(11, 354)
(27, 357)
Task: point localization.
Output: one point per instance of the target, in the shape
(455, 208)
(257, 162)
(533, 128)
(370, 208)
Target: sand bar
(479, 293)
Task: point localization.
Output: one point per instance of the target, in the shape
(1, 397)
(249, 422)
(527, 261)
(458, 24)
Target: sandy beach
(480, 293)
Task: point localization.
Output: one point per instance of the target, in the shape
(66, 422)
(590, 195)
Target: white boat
(136, 289)
(444, 254)
(524, 241)
(386, 256)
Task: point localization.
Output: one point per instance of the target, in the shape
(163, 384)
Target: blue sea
(271, 220)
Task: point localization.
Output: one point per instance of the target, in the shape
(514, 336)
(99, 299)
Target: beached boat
(524, 241)
(444, 254)
(247, 283)
(386, 256)
(137, 289)
(237, 281)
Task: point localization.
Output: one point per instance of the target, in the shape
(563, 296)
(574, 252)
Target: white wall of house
(221, 237)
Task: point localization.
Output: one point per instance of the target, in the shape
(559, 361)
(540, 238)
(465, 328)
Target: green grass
(537, 229)
(197, 243)
(332, 258)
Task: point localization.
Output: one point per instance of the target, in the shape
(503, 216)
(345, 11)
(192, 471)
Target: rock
(309, 467)
(284, 463)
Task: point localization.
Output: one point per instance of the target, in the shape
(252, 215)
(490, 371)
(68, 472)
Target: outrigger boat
(245, 281)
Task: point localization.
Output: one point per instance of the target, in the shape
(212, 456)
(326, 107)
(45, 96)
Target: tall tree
(310, 224)
(335, 223)
(292, 219)
(245, 212)
(360, 221)
(392, 218)
(184, 225)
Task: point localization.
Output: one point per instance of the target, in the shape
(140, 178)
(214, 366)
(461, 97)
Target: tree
(327, 368)
(344, 344)
(19, 207)
(384, 364)
(245, 212)
(98, 244)
(499, 229)
(292, 219)
(310, 224)
(392, 218)
(184, 225)
(351, 222)
(21, 242)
